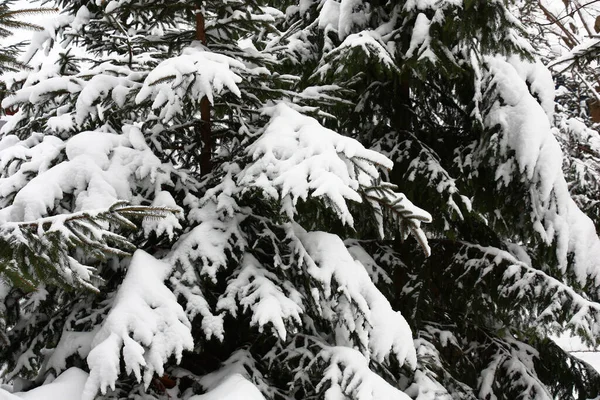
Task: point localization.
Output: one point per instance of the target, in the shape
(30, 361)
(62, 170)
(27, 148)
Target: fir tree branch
(39, 251)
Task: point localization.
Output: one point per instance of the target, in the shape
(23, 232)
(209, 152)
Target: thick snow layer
(539, 79)
(145, 327)
(526, 132)
(234, 387)
(362, 310)
(420, 39)
(353, 15)
(348, 374)
(192, 75)
(296, 158)
(98, 172)
(329, 16)
(343, 17)
(68, 386)
(70, 343)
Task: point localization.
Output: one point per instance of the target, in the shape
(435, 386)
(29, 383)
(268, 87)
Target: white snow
(420, 39)
(353, 15)
(425, 385)
(296, 158)
(192, 75)
(170, 222)
(360, 309)
(372, 46)
(98, 171)
(145, 323)
(254, 288)
(349, 376)
(329, 16)
(234, 387)
(412, 5)
(540, 81)
(203, 249)
(67, 386)
(527, 132)
(70, 343)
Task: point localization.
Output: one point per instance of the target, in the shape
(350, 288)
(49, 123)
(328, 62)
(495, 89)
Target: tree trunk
(204, 129)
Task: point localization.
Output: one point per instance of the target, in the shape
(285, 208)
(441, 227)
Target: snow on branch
(207, 249)
(68, 385)
(232, 387)
(525, 151)
(537, 300)
(256, 289)
(421, 164)
(405, 213)
(586, 51)
(431, 374)
(348, 298)
(367, 42)
(97, 168)
(91, 93)
(191, 76)
(144, 328)
(348, 375)
(512, 360)
(233, 380)
(297, 158)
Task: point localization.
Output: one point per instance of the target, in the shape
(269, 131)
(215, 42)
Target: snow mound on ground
(69, 385)
(235, 387)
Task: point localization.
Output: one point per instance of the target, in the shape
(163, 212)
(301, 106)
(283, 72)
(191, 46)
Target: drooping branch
(38, 251)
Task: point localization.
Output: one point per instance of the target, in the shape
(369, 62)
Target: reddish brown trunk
(205, 131)
(200, 30)
(594, 107)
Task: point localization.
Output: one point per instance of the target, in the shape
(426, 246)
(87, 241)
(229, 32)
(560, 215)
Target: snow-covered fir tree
(209, 204)
(239, 282)
(452, 92)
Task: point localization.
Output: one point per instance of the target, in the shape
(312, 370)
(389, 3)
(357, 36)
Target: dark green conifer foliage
(419, 82)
